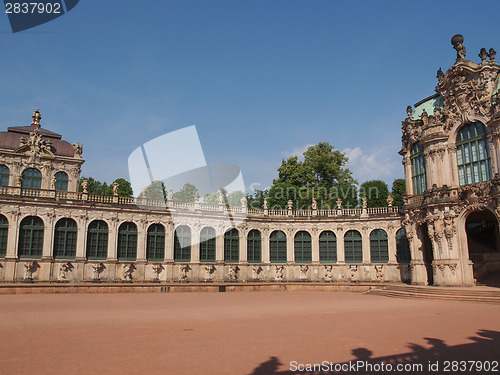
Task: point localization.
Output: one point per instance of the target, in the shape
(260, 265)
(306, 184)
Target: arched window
(403, 252)
(327, 247)
(182, 244)
(32, 179)
(4, 175)
(353, 247)
(277, 247)
(97, 240)
(232, 246)
(302, 247)
(254, 247)
(65, 239)
(155, 246)
(379, 251)
(473, 154)
(31, 237)
(418, 179)
(4, 230)
(61, 181)
(127, 241)
(207, 245)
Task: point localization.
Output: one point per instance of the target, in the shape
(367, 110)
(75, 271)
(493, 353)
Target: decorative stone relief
(328, 273)
(278, 273)
(256, 271)
(353, 270)
(64, 268)
(184, 270)
(233, 272)
(97, 268)
(209, 271)
(379, 272)
(157, 268)
(29, 269)
(303, 272)
(127, 271)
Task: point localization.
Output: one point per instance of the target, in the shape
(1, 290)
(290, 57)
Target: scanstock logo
(175, 159)
(26, 14)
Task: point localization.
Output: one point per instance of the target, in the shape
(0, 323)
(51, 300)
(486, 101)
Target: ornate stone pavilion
(446, 234)
(451, 155)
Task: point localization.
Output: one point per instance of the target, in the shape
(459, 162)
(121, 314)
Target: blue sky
(261, 80)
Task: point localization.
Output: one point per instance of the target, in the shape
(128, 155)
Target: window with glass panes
(127, 241)
(97, 240)
(473, 154)
(327, 247)
(65, 239)
(207, 245)
(4, 230)
(403, 253)
(155, 246)
(418, 179)
(254, 247)
(353, 247)
(32, 179)
(31, 237)
(4, 175)
(182, 244)
(379, 251)
(277, 247)
(61, 183)
(232, 246)
(302, 247)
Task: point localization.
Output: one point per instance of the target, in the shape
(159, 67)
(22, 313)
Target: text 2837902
(24, 8)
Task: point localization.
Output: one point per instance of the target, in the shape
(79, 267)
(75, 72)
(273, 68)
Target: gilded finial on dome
(36, 118)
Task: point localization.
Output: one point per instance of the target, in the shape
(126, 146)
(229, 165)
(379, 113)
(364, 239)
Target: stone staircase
(492, 279)
(475, 294)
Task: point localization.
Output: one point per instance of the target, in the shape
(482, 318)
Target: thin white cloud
(299, 151)
(376, 165)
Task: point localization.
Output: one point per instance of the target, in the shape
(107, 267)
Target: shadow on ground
(483, 352)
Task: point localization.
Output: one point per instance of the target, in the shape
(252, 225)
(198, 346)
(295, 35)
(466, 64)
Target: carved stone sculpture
(256, 271)
(116, 185)
(457, 42)
(303, 272)
(127, 270)
(184, 272)
(209, 271)
(278, 273)
(233, 273)
(328, 273)
(96, 271)
(63, 271)
(379, 272)
(353, 270)
(29, 269)
(85, 185)
(156, 271)
(78, 149)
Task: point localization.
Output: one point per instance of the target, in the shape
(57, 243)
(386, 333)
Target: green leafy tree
(375, 192)
(280, 194)
(322, 175)
(94, 186)
(156, 190)
(186, 194)
(124, 188)
(213, 198)
(398, 189)
(257, 199)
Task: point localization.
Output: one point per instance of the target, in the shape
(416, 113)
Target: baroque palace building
(445, 234)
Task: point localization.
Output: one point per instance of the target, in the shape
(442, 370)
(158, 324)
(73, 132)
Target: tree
(124, 188)
(94, 186)
(322, 175)
(280, 194)
(186, 194)
(398, 189)
(376, 193)
(156, 190)
(257, 199)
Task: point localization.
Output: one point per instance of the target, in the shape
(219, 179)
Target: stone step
(443, 294)
(444, 291)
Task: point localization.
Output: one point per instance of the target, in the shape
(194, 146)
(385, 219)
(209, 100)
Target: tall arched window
(61, 181)
(97, 240)
(127, 241)
(4, 230)
(403, 252)
(327, 247)
(182, 244)
(31, 237)
(155, 245)
(473, 154)
(277, 247)
(379, 251)
(232, 246)
(254, 247)
(65, 239)
(4, 175)
(32, 179)
(353, 247)
(418, 179)
(207, 245)
(302, 247)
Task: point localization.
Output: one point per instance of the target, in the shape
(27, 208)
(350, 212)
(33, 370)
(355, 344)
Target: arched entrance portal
(427, 254)
(482, 240)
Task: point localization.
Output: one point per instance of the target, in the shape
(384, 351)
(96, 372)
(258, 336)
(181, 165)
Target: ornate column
(81, 238)
(339, 234)
(315, 245)
(48, 236)
(169, 242)
(265, 245)
(141, 240)
(493, 141)
(452, 156)
(113, 240)
(407, 167)
(195, 244)
(243, 245)
(365, 238)
(12, 235)
(391, 244)
(290, 255)
(219, 245)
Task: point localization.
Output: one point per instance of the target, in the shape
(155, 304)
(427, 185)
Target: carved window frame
(232, 246)
(254, 246)
(302, 247)
(418, 169)
(379, 246)
(155, 243)
(327, 247)
(65, 239)
(182, 244)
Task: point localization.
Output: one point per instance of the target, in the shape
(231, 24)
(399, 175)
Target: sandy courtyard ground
(236, 333)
